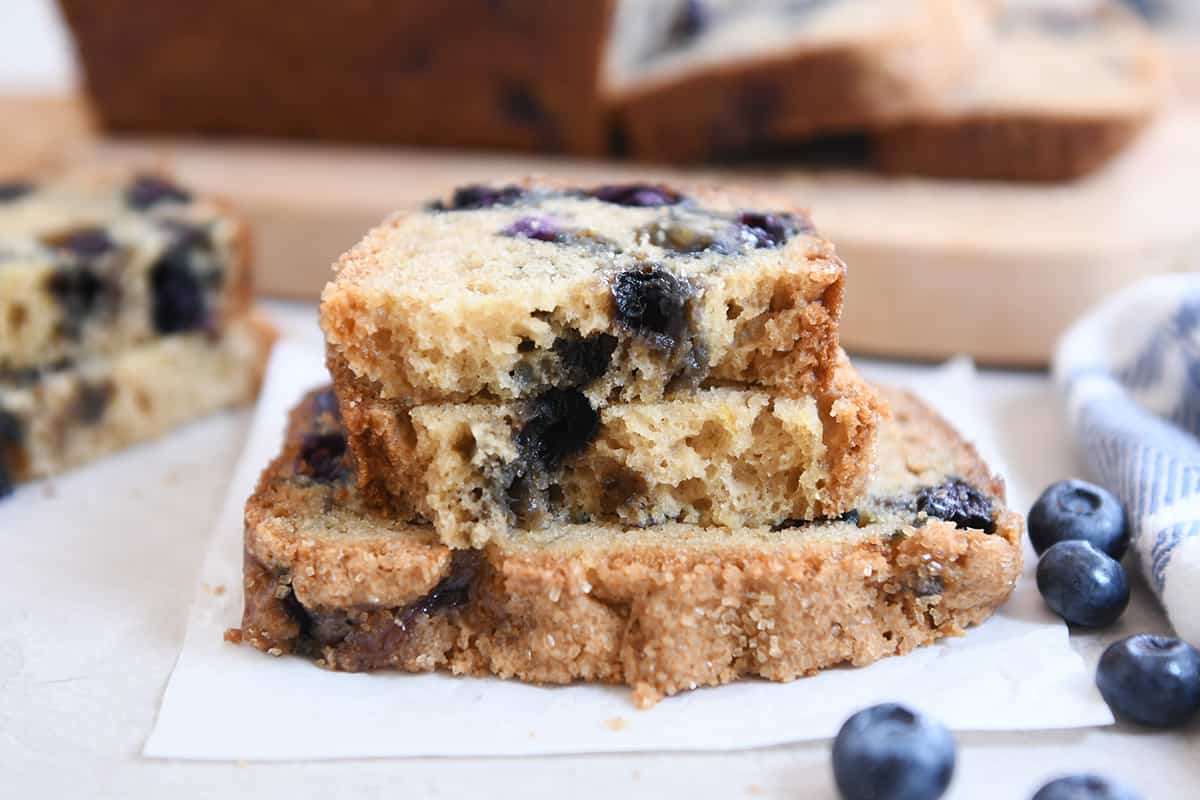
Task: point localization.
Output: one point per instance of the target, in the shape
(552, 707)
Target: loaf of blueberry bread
(92, 265)
(700, 79)
(714, 457)
(124, 311)
(929, 549)
(58, 418)
(624, 292)
(1064, 88)
(519, 74)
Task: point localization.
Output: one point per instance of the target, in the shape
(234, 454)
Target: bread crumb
(615, 724)
(754, 788)
(233, 635)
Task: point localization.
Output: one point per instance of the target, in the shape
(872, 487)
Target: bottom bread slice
(930, 550)
(56, 420)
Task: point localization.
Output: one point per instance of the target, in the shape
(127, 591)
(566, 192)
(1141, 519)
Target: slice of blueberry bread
(700, 79)
(930, 550)
(623, 292)
(715, 457)
(54, 419)
(89, 266)
(515, 74)
(1064, 89)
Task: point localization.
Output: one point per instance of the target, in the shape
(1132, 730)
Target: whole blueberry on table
(1154, 680)
(1079, 510)
(1085, 787)
(1082, 584)
(890, 752)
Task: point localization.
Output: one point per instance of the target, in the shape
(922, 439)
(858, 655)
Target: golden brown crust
(520, 75)
(1014, 147)
(661, 610)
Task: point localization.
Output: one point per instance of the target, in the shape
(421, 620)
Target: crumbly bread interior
(489, 299)
(1091, 59)
(85, 273)
(722, 456)
(62, 419)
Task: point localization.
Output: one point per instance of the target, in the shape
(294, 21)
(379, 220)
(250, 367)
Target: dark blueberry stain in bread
(652, 302)
(558, 424)
(148, 191)
(959, 502)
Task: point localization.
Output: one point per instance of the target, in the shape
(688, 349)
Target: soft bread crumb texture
(437, 306)
(723, 457)
(77, 415)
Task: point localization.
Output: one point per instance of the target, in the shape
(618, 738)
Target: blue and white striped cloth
(1130, 371)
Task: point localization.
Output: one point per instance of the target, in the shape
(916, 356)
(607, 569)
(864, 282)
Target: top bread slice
(699, 79)
(1063, 89)
(505, 291)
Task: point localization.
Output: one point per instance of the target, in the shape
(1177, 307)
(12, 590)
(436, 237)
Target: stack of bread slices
(607, 433)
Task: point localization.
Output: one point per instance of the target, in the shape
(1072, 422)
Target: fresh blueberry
(14, 190)
(769, 230)
(1085, 787)
(322, 456)
(1079, 510)
(476, 196)
(1082, 584)
(890, 752)
(641, 195)
(561, 422)
(585, 359)
(179, 302)
(1154, 680)
(653, 302)
(147, 191)
(543, 229)
(959, 502)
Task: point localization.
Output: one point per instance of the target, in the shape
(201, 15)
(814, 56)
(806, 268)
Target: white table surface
(83, 662)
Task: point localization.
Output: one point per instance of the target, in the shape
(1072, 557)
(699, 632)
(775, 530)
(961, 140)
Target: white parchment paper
(1015, 672)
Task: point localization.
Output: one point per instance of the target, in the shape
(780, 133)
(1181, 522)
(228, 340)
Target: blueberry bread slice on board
(92, 265)
(930, 550)
(518, 74)
(623, 291)
(714, 457)
(698, 79)
(1062, 91)
(55, 419)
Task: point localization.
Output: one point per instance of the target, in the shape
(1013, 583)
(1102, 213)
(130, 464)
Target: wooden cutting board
(936, 268)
